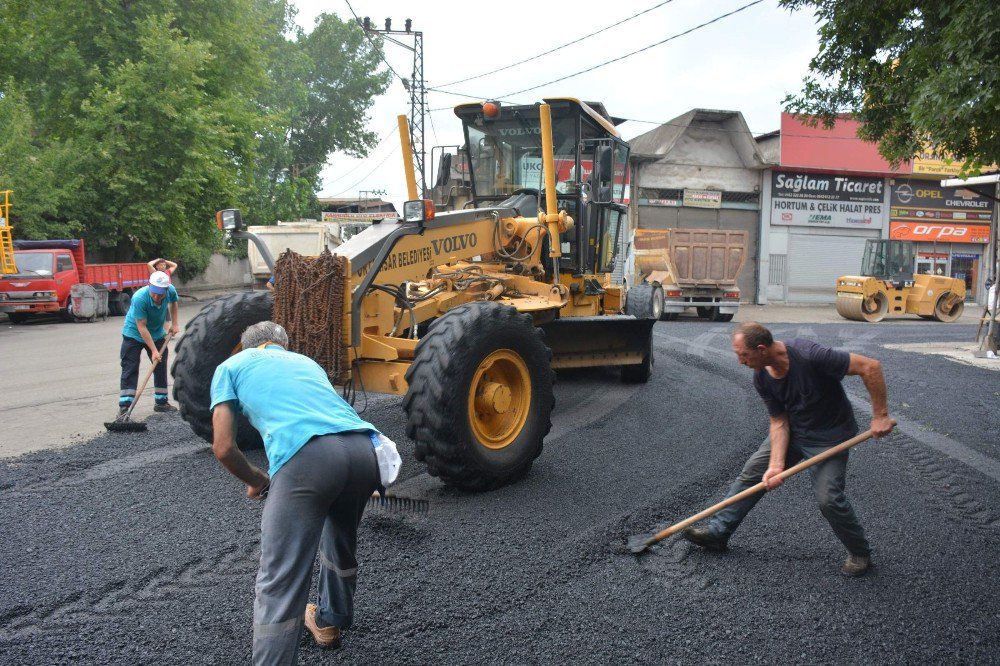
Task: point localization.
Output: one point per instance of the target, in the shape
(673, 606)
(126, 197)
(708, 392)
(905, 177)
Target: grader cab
(465, 313)
(888, 286)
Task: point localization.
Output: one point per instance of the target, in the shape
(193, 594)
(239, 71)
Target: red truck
(46, 270)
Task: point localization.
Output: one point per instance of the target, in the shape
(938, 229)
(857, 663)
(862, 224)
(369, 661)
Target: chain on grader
(309, 303)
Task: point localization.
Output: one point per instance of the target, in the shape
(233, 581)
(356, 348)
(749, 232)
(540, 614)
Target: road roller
(888, 287)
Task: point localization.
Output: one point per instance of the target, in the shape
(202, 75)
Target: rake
(124, 422)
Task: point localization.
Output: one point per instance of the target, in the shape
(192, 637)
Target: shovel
(638, 544)
(124, 423)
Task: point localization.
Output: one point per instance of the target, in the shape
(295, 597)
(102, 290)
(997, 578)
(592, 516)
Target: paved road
(140, 549)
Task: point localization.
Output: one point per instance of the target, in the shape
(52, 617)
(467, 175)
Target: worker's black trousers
(315, 501)
(130, 354)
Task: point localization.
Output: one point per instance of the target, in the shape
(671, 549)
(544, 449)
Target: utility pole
(413, 85)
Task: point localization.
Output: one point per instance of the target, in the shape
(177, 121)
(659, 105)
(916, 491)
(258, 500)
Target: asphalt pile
(140, 548)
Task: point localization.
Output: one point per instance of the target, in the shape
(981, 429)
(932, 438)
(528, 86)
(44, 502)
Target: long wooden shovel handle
(145, 380)
(791, 471)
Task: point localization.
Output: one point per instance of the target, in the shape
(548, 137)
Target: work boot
(164, 407)
(123, 409)
(856, 565)
(702, 536)
(324, 636)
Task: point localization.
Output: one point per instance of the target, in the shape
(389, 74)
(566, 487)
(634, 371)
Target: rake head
(638, 544)
(125, 424)
(396, 504)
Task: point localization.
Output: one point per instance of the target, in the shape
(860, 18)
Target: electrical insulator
(367, 23)
(409, 25)
(388, 24)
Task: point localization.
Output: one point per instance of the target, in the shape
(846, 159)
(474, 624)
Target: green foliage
(130, 123)
(918, 74)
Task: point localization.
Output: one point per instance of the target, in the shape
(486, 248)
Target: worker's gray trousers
(315, 499)
(828, 480)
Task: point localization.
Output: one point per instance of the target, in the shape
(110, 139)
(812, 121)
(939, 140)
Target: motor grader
(466, 313)
(887, 286)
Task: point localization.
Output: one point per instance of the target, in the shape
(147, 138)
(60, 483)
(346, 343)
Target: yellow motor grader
(466, 313)
(887, 286)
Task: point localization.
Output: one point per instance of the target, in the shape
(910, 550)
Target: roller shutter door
(816, 261)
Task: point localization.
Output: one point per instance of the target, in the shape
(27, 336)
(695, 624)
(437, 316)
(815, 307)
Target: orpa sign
(932, 231)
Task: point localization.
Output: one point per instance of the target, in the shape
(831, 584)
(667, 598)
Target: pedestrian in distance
(324, 465)
(162, 265)
(145, 328)
(800, 383)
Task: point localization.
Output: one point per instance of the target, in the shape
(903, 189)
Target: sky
(745, 62)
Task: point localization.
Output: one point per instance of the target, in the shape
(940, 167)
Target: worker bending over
(145, 328)
(322, 470)
(799, 381)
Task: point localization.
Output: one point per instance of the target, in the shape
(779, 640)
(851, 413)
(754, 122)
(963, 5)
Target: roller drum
(857, 308)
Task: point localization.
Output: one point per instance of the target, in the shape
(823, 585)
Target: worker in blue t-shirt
(322, 471)
(145, 327)
(809, 412)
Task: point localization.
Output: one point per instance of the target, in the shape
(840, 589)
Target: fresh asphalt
(140, 548)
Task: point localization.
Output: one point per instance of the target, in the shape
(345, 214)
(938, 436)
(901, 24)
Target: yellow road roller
(887, 286)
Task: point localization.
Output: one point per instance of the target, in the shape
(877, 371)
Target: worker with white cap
(146, 327)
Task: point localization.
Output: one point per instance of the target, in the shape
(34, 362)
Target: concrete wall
(222, 273)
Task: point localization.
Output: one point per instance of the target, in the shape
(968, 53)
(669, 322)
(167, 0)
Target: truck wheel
(67, 312)
(209, 339)
(944, 312)
(657, 302)
(480, 396)
(717, 316)
(641, 373)
(640, 301)
(118, 304)
(705, 312)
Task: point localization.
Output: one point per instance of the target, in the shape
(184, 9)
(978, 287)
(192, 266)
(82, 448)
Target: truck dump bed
(691, 257)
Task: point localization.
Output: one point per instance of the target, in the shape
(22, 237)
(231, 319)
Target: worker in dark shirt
(809, 412)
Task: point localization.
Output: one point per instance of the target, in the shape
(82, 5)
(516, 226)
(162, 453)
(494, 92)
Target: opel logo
(904, 193)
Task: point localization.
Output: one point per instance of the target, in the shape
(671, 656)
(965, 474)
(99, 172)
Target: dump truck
(47, 271)
(467, 313)
(687, 268)
(887, 286)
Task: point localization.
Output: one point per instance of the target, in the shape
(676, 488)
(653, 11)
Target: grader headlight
(418, 211)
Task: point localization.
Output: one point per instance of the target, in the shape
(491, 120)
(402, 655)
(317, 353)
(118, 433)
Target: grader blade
(584, 342)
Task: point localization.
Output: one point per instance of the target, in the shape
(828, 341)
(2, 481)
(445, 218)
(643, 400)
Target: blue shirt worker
(322, 471)
(800, 383)
(145, 328)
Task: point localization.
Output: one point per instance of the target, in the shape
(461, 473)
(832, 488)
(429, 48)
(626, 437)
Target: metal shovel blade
(637, 544)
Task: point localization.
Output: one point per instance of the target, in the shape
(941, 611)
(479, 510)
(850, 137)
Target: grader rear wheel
(857, 308)
(209, 339)
(480, 396)
(947, 311)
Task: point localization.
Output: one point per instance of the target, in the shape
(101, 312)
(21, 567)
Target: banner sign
(915, 200)
(953, 232)
(827, 200)
(329, 216)
(702, 199)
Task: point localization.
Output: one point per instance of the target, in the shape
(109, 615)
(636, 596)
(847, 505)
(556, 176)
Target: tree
(131, 122)
(918, 74)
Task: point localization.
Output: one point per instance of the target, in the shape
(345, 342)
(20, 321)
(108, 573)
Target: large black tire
(118, 303)
(466, 351)
(719, 317)
(209, 339)
(706, 311)
(640, 301)
(641, 373)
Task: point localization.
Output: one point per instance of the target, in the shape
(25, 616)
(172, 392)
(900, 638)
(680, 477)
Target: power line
(392, 130)
(545, 53)
(368, 37)
(377, 167)
(629, 55)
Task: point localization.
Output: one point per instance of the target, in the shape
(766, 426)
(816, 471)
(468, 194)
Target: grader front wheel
(480, 396)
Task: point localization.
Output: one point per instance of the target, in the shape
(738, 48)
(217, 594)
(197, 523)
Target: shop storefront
(950, 228)
(818, 227)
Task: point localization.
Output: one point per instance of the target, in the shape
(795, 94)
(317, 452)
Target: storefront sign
(915, 200)
(938, 165)
(954, 232)
(703, 199)
(827, 200)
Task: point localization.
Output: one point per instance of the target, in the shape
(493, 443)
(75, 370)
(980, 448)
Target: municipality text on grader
(466, 313)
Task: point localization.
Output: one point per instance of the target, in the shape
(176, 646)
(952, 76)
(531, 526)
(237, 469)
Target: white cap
(159, 282)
